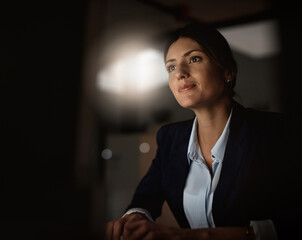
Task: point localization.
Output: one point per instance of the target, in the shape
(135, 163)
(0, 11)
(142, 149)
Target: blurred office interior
(84, 91)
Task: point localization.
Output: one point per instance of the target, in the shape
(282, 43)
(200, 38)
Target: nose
(182, 71)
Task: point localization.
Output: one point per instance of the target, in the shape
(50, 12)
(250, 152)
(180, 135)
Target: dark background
(41, 64)
(42, 46)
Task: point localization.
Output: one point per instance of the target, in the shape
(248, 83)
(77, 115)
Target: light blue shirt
(201, 183)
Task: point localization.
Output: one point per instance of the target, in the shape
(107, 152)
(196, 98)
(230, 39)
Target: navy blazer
(252, 177)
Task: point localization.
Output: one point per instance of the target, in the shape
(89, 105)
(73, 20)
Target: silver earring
(228, 80)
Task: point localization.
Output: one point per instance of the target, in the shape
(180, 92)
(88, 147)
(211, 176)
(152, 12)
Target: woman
(219, 172)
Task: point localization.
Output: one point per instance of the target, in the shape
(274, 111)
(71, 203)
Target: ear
(228, 76)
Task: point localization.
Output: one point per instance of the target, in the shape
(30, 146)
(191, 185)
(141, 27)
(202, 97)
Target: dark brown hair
(213, 44)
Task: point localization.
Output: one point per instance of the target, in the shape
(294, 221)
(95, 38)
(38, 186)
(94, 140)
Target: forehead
(181, 46)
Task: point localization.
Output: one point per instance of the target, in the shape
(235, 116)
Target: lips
(186, 87)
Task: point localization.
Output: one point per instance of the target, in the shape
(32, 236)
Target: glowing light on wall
(257, 39)
(132, 74)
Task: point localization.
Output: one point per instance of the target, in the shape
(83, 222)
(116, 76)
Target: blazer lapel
(229, 182)
(180, 168)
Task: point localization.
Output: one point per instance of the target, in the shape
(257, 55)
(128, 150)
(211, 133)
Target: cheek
(215, 78)
(173, 89)
(171, 84)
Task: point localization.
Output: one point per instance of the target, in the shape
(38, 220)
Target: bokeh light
(134, 74)
(144, 147)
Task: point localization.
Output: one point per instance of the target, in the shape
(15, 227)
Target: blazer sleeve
(148, 194)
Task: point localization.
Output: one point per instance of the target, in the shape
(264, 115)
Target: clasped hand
(136, 226)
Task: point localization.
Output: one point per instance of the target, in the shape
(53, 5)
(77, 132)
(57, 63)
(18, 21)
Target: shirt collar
(194, 152)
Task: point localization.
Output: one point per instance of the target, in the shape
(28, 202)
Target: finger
(118, 229)
(137, 229)
(150, 236)
(109, 230)
(132, 225)
(135, 216)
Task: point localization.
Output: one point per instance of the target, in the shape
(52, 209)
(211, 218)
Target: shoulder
(264, 115)
(249, 123)
(265, 119)
(173, 140)
(176, 127)
(259, 118)
(176, 131)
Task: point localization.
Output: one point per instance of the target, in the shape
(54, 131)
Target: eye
(171, 68)
(194, 59)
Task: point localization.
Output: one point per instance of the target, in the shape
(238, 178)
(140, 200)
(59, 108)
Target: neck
(211, 122)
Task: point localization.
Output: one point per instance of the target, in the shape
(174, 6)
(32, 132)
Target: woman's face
(194, 79)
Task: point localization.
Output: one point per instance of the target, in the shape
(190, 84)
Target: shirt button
(213, 156)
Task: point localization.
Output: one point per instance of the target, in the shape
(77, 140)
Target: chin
(187, 104)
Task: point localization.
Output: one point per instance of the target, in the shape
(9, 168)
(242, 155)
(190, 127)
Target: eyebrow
(185, 55)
